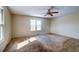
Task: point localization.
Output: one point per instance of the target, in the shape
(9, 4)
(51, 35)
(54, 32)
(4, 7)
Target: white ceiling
(39, 11)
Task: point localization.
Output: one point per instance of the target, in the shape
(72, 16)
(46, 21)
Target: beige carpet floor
(43, 43)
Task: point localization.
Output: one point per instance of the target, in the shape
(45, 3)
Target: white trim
(36, 25)
(1, 37)
(1, 25)
(67, 35)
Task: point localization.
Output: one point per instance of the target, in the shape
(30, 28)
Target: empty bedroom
(39, 28)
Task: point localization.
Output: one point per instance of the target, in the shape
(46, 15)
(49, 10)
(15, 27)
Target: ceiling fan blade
(51, 14)
(54, 12)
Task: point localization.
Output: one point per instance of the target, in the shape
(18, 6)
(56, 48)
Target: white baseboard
(67, 35)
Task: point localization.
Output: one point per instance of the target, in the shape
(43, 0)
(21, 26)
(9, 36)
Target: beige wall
(67, 25)
(7, 29)
(21, 25)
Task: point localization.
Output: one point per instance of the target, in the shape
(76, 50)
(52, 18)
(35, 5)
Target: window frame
(36, 25)
(2, 24)
(32, 25)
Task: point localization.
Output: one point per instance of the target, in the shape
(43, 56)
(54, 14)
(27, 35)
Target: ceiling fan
(50, 11)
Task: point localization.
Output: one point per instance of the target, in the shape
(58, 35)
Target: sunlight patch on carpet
(24, 43)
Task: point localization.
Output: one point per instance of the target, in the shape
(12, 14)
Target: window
(38, 24)
(35, 25)
(1, 24)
